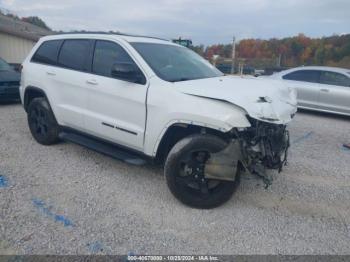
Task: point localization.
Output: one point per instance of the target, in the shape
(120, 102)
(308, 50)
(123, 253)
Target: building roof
(21, 29)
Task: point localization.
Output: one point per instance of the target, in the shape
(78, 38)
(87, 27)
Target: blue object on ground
(304, 137)
(3, 181)
(95, 247)
(41, 206)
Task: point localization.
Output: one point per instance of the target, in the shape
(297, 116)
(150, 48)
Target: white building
(17, 38)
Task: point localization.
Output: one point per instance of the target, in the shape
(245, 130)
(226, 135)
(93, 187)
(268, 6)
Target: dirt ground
(66, 199)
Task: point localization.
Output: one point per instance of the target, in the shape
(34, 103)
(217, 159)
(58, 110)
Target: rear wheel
(184, 172)
(41, 121)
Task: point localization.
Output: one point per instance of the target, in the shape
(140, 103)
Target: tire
(42, 122)
(187, 192)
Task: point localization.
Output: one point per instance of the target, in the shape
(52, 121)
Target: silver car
(320, 88)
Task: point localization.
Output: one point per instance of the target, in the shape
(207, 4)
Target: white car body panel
(118, 103)
(166, 105)
(221, 103)
(245, 93)
(319, 96)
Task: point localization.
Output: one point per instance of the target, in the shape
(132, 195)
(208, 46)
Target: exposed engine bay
(258, 148)
(264, 146)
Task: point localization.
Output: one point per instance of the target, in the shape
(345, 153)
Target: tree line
(289, 52)
(34, 20)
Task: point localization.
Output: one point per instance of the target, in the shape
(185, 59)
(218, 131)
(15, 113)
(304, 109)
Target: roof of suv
(117, 36)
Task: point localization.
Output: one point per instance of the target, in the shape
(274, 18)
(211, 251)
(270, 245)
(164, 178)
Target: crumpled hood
(265, 99)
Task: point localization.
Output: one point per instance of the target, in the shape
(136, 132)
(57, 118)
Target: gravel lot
(66, 199)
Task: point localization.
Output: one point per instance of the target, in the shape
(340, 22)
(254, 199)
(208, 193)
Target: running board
(103, 147)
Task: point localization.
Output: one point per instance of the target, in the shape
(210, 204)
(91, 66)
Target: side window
(303, 75)
(106, 55)
(74, 54)
(333, 78)
(47, 52)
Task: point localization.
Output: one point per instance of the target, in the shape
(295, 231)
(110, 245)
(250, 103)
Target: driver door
(117, 108)
(306, 82)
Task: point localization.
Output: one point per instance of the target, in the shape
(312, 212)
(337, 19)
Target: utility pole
(233, 55)
(279, 60)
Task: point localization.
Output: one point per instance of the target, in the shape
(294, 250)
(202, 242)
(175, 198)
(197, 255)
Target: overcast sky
(204, 21)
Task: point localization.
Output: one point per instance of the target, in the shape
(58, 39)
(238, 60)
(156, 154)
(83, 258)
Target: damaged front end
(258, 148)
(264, 146)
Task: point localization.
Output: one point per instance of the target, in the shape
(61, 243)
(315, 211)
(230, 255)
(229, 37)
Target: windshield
(175, 63)
(5, 66)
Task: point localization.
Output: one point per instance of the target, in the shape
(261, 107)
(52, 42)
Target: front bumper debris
(258, 148)
(265, 146)
(224, 164)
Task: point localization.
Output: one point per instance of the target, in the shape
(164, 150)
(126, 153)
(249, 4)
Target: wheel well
(30, 94)
(177, 132)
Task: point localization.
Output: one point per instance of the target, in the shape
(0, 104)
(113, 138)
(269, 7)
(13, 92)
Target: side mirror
(127, 72)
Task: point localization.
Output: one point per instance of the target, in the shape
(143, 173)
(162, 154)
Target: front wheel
(184, 172)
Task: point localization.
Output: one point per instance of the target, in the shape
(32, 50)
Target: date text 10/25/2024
(171, 258)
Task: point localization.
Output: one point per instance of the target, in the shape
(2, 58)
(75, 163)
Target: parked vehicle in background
(9, 82)
(320, 88)
(226, 69)
(161, 101)
(259, 72)
(183, 42)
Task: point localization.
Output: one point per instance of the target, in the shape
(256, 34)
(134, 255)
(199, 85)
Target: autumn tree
(36, 21)
(293, 51)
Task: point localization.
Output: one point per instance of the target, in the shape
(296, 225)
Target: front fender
(222, 120)
(167, 106)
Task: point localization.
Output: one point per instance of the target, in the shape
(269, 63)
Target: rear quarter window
(333, 78)
(47, 52)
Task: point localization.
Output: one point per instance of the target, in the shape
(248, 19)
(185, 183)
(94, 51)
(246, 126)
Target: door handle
(92, 82)
(50, 73)
(325, 90)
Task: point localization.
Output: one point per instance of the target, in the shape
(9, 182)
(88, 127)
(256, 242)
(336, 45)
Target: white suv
(137, 98)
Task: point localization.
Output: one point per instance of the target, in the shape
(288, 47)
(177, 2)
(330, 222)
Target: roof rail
(108, 33)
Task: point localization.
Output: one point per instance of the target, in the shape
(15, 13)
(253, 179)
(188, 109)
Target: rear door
(306, 82)
(41, 72)
(335, 92)
(117, 108)
(69, 81)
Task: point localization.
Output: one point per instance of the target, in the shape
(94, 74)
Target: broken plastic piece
(346, 146)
